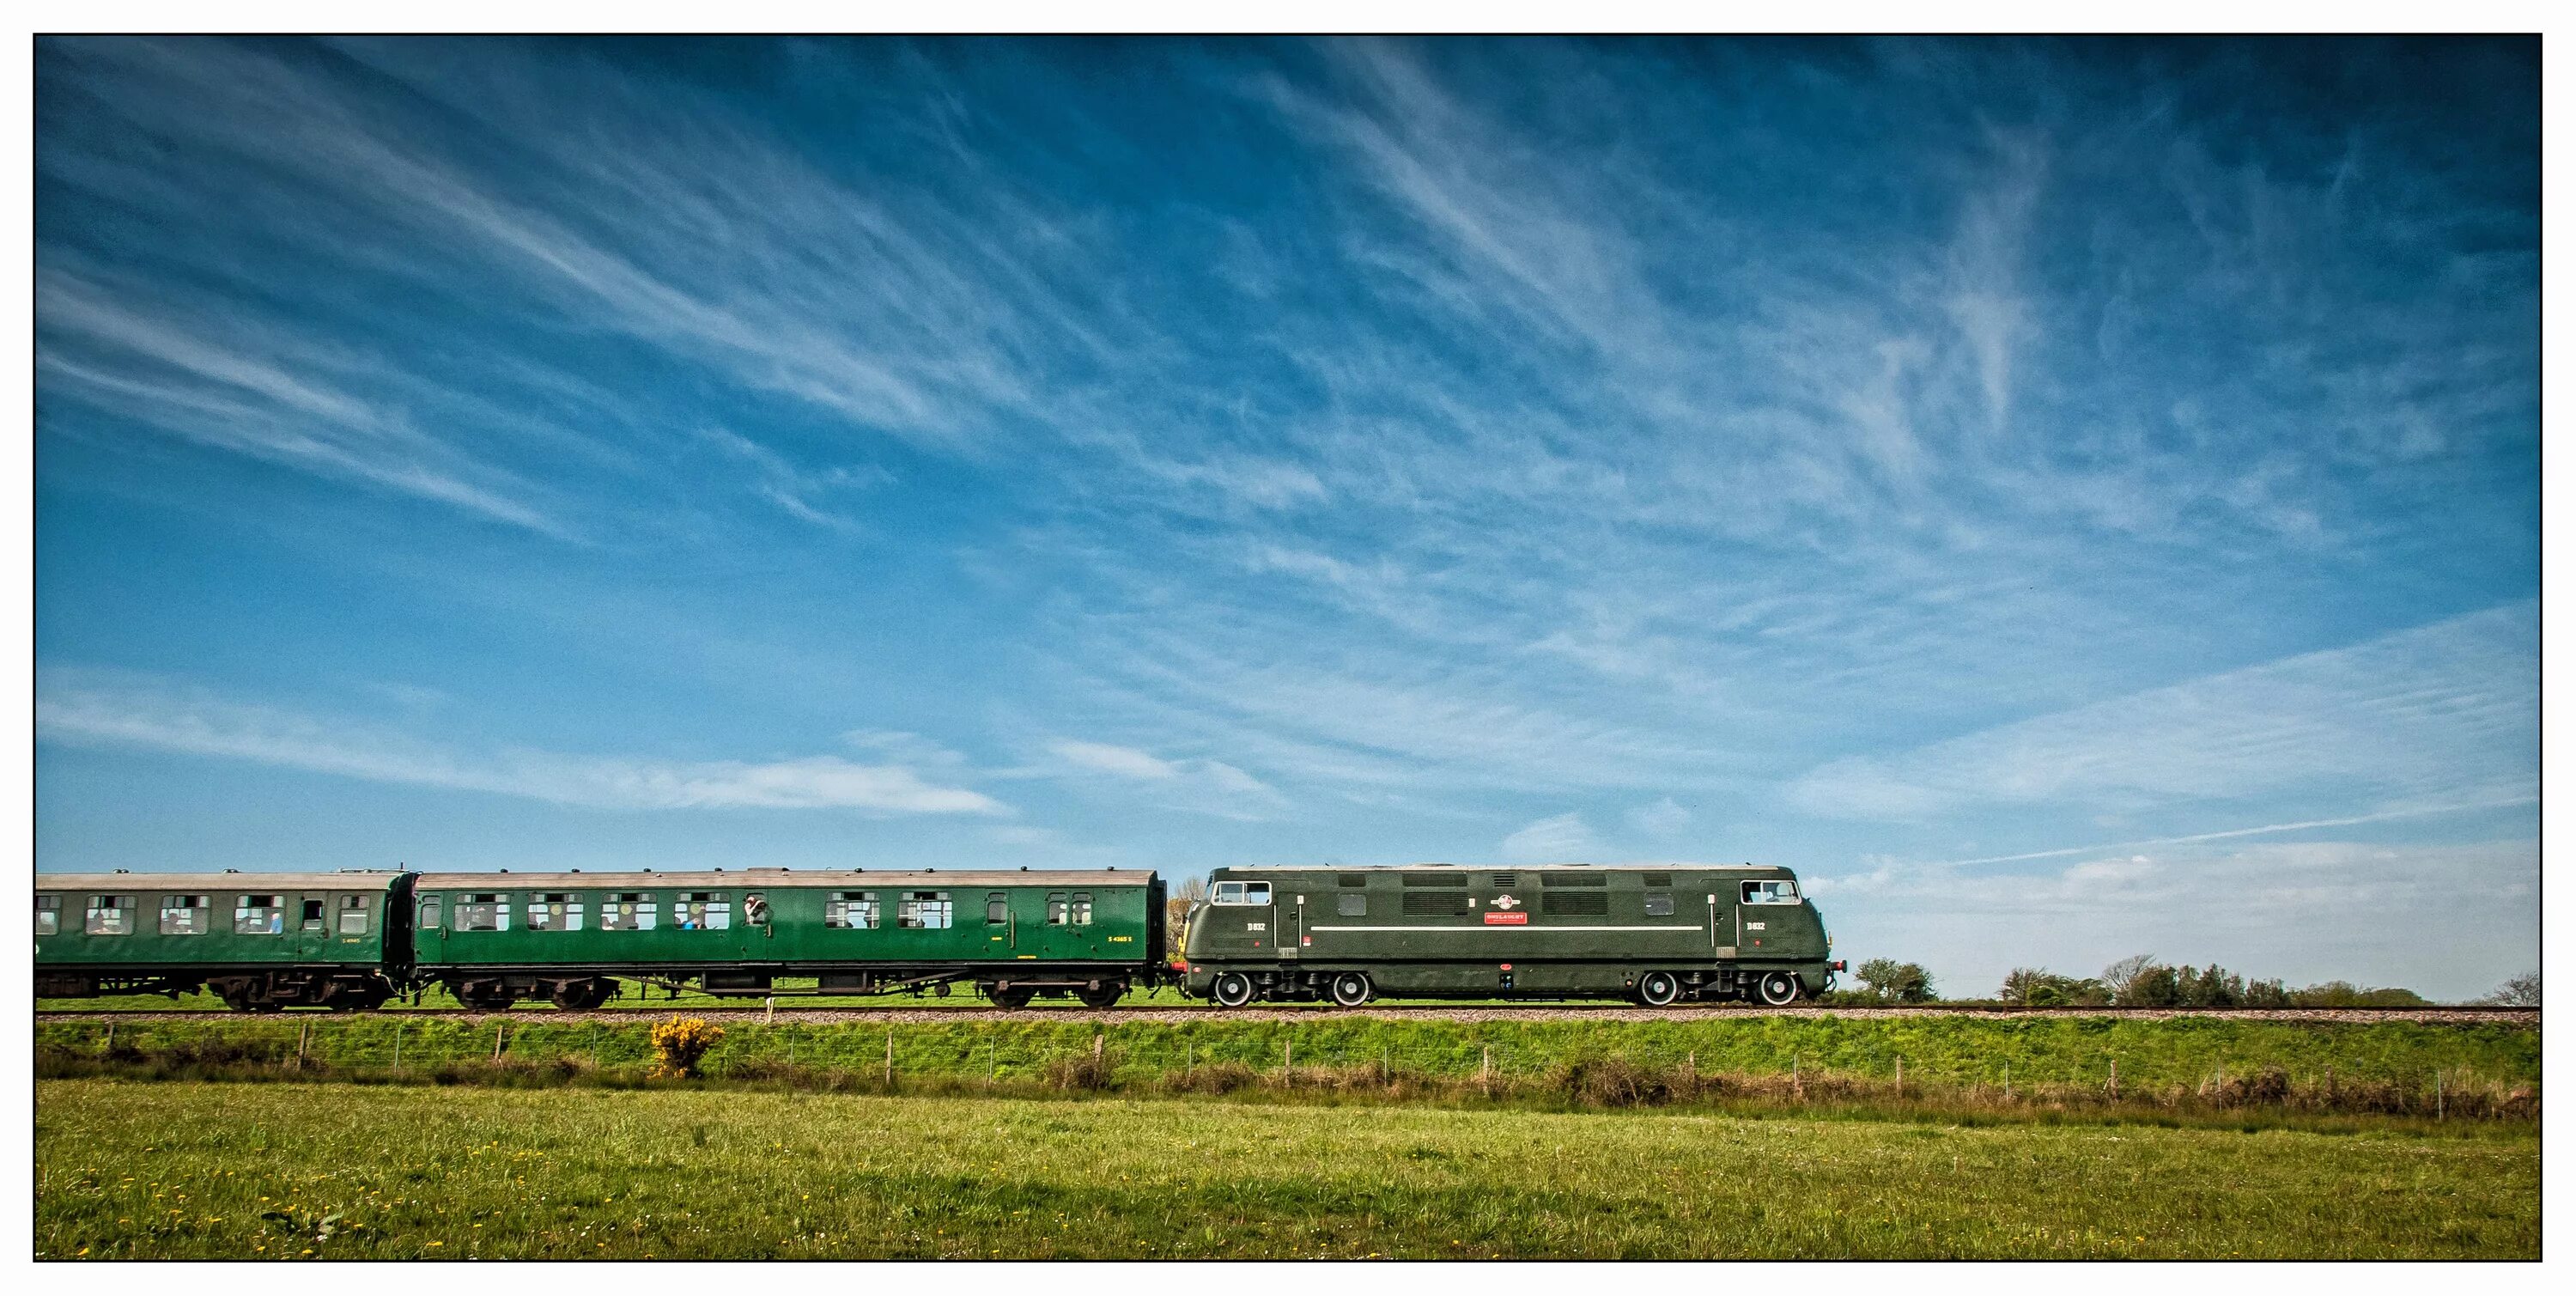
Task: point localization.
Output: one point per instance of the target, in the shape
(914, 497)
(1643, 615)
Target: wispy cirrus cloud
(116, 709)
(2439, 715)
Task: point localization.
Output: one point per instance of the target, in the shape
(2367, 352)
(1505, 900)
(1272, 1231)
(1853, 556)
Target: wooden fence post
(110, 1046)
(1900, 1075)
(1485, 1072)
(398, 1030)
(889, 1057)
(2115, 1080)
(497, 1028)
(1797, 1084)
(2007, 1082)
(2437, 1094)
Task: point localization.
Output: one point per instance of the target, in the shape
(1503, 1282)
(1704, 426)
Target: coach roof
(758, 878)
(350, 880)
(1500, 868)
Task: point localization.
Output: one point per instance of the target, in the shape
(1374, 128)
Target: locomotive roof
(742, 879)
(350, 880)
(1500, 868)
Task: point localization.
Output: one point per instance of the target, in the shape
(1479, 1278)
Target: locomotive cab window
(997, 908)
(1659, 904)
(1770, 893)
(629, 911)
(555, 911)
(853, 909)
(1057, 912)
(703, 911)
(109, 915)
(49, 914)
(184, 915)
(1243, 893)
(489, 912)
(1081, 908)
(353, 915)
(312, 915)
(929, 910)
(259, 915)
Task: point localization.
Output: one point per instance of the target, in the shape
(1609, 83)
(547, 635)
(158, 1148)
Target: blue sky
(2067, 500)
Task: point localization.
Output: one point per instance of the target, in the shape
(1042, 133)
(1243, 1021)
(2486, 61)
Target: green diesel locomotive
(1652, 934)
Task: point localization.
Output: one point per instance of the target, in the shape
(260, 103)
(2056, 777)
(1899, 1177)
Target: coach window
(183, 915)
(312, 915)
(259, 915)
(110, 915)
(1057, 914)
(703, 911)
(997, 907)
(49, 915)
(1081, 908)
(1659, 904)
(1770, 893)
(853, 909)
(489, 911)
(1242, 893)
(429, 913)
(755, 908)
(929, 910)
(353, 915)
(1351, 904)
(554, 911)
(629, 911)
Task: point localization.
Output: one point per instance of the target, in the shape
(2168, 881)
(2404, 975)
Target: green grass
(2153, 1056)
(247, 1171)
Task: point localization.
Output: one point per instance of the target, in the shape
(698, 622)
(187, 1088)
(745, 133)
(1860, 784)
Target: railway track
(1176, 1013)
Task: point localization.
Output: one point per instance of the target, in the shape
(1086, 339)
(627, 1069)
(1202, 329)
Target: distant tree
(2041, 988)
(2344, 994)
(2520, 992)
(2266, 994)
(2121, 977)
(1900, 982)
(1177, 903)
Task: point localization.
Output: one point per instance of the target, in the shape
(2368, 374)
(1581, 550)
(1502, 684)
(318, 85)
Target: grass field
(297, 1171)
(2473, 1069)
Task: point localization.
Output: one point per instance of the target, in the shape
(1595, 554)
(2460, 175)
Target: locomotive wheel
(1010, 998)
(1232, 990)
(1658, 989)
(1351, 989)
(1777, 989)
(1104, 997)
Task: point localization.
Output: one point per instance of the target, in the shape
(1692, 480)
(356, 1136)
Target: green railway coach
(496, 938)
(1655, 934)
(263, 941)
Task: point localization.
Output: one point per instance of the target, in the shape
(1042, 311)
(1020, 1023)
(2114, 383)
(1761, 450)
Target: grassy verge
(180, 1170)
(2181, 1066)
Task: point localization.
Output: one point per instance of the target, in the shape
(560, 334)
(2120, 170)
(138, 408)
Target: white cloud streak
(95, 709)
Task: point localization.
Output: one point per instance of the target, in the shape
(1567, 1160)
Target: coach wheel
(582, 996)
(1232, 990)
(485, 998)
(1777, 988)
(1351, 989)
(1101, 997)
(1012, 998)
(1658, 989)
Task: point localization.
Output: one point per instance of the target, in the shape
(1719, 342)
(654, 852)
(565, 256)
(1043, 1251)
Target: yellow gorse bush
(681, 1042)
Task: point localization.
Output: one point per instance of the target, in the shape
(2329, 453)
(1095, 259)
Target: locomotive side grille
(1434, 904)
(1566, 902)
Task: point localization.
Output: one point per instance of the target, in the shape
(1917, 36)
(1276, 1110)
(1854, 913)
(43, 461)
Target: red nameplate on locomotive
(1514, 919)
